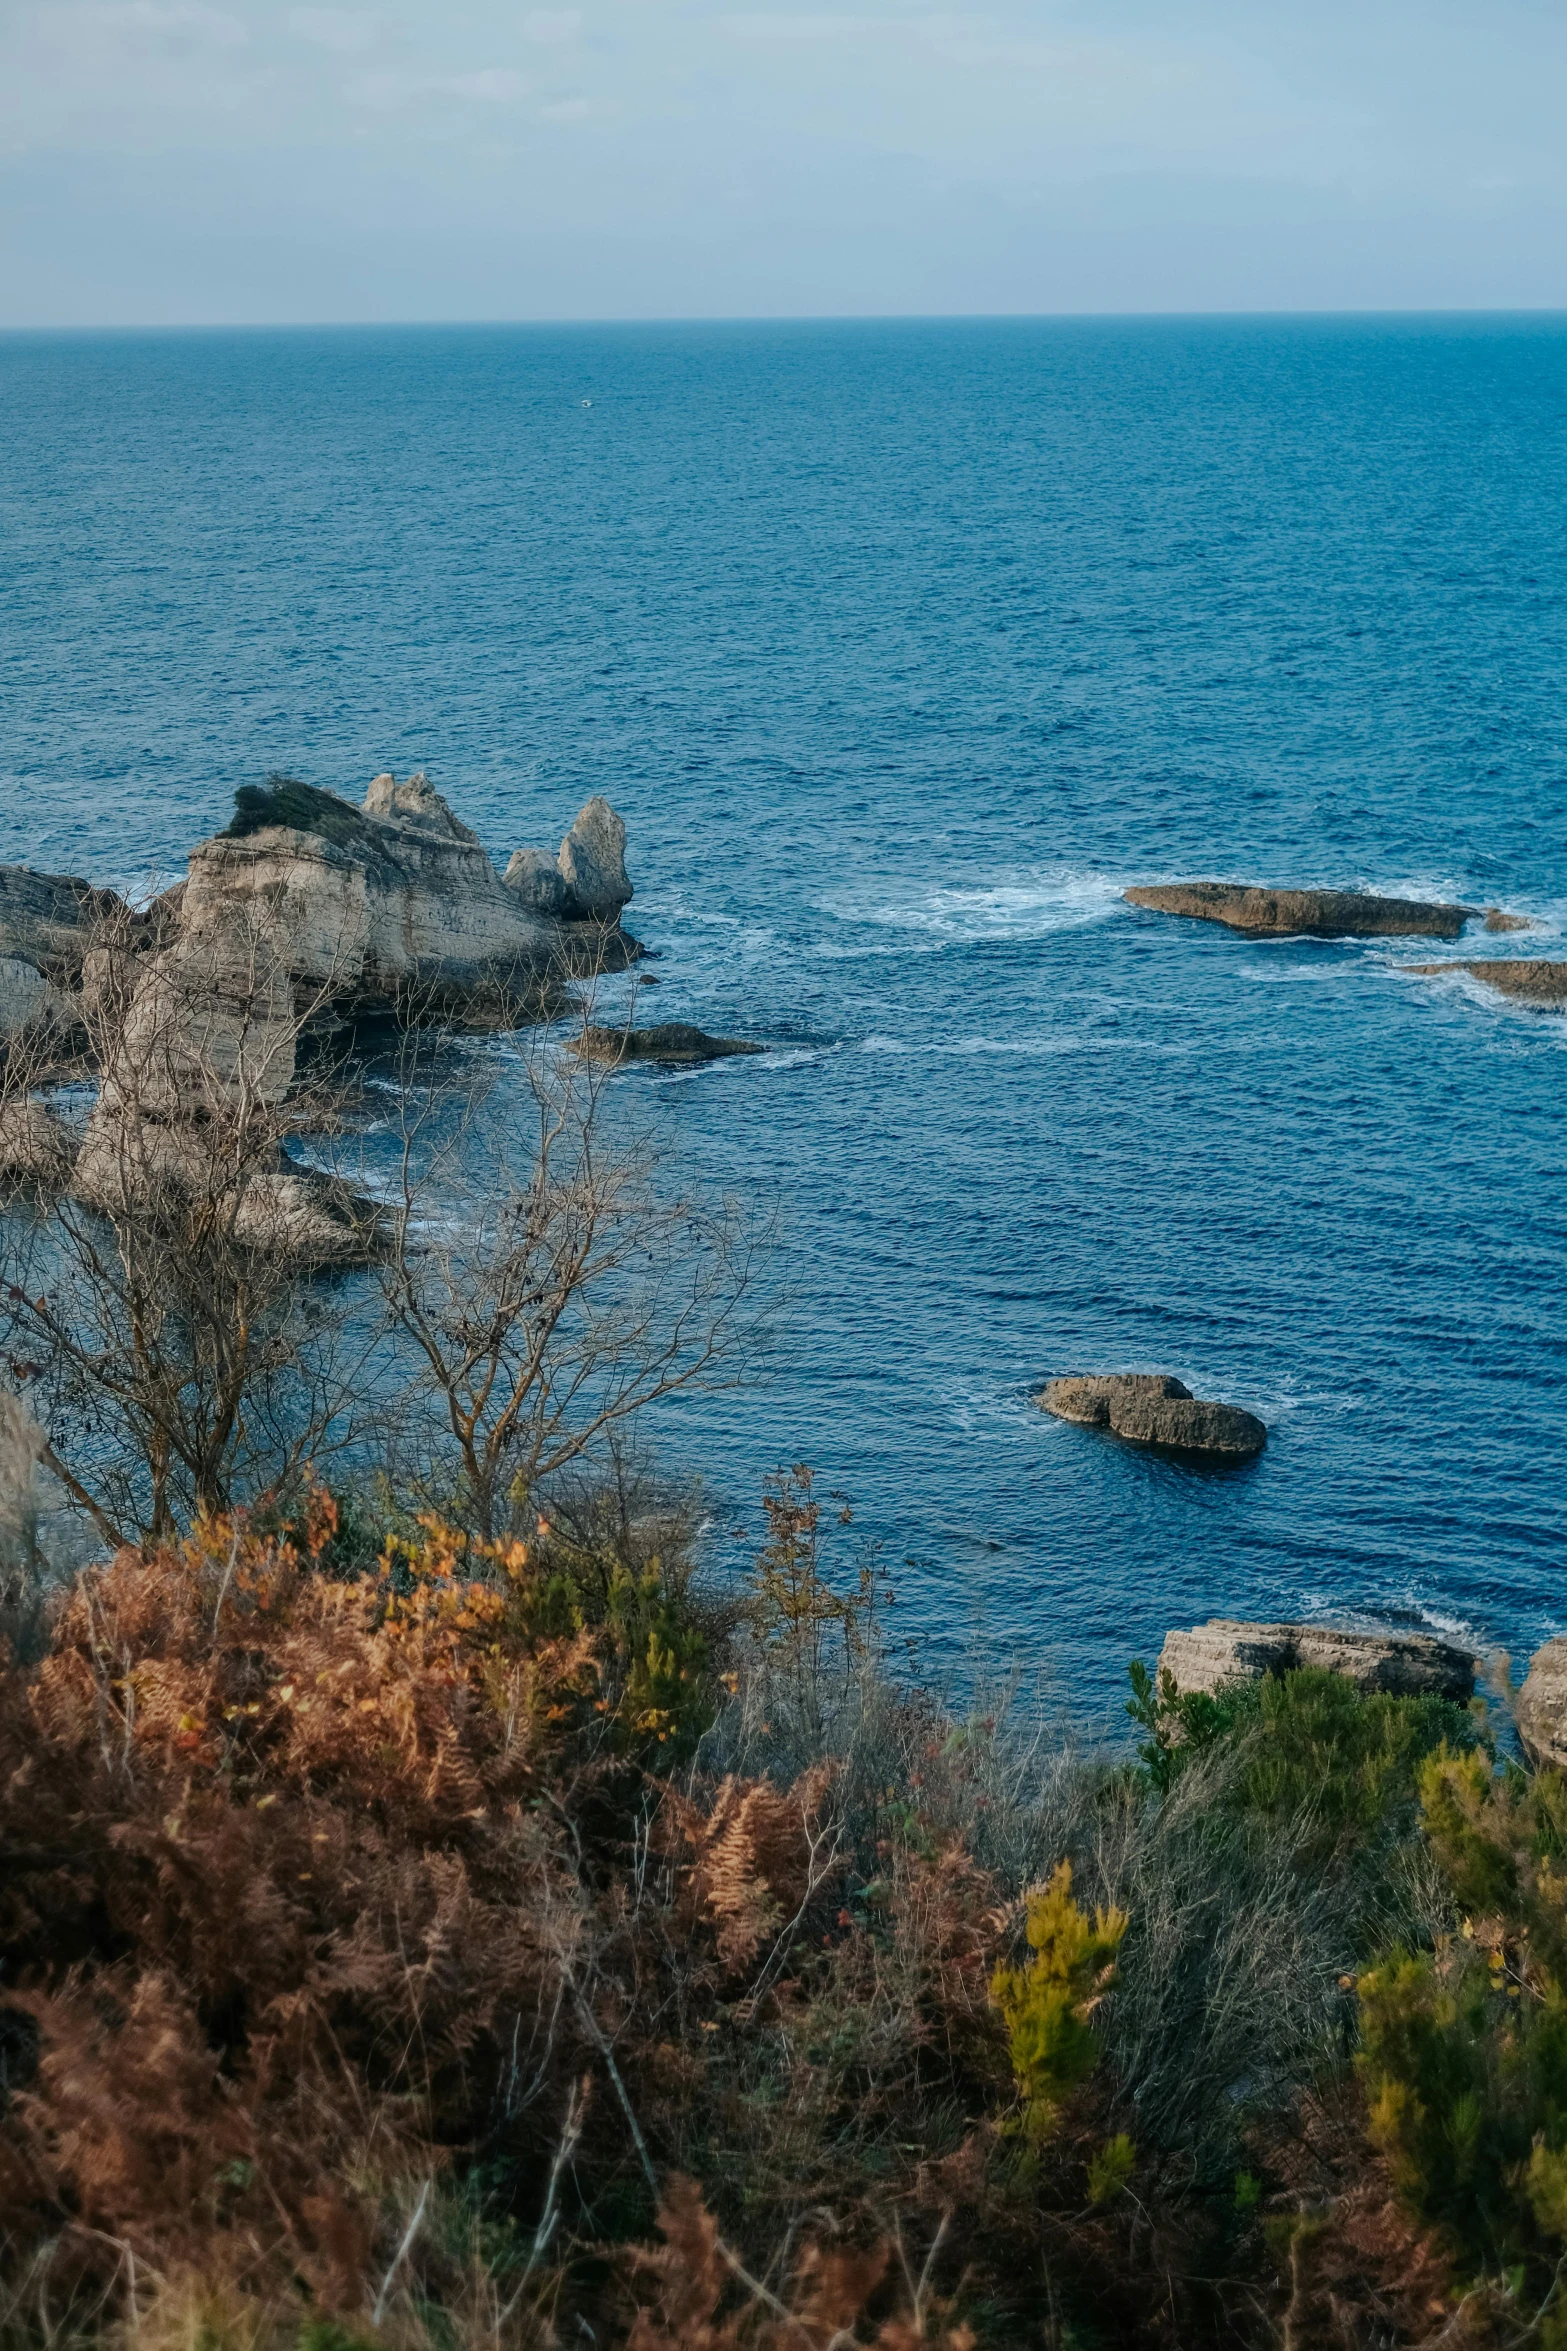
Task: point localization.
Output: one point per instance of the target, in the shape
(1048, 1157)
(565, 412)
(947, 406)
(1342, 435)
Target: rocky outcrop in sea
(305, 913)
(1154, 1408)
(1317, 914)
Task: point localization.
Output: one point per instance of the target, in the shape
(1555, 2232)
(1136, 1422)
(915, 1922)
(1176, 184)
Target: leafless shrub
(542, 1281)
(21, 1562)
(159, 1307)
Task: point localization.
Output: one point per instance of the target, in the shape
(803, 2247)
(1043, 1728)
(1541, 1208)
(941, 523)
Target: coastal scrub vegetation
(440, 1911)
(451, 1940)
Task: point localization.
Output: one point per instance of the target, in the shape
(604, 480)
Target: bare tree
(545, 1284)
(162, 1310)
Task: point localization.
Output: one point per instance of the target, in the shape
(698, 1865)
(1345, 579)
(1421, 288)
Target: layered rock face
(1406, 1665)
(1530, 980)
(378, 905)
(1318, 914)
(1541, 1712)
(1152, 1408)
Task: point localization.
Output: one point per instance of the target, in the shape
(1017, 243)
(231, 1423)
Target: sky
(175, 162)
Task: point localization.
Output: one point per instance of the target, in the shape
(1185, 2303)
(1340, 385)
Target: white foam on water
(976, 1404)
(141, 889)
(673, 907)
(737, 1065)
(786, 1056)
(834, 951)
(1028, 1047)
(1029, 905)
(1340, 974)
(1271, 1404)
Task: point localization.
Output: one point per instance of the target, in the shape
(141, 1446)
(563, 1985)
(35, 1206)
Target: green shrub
(1048, 2004)
(1307, 1746)
(1464, 2048)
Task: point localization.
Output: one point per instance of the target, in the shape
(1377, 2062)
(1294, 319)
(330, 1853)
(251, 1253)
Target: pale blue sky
(172, 161)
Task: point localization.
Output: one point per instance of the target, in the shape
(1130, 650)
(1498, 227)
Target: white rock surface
(593, 862)
(1542, 1705)
(1405, 1664)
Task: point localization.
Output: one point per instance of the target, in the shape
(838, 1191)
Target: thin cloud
(492, 85)
(552, 27)
(343, 30)
(167, 23)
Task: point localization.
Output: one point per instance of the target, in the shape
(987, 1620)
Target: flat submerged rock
(1154, 1408)
(1318, 914)
(668, 1040)
(1527, 980)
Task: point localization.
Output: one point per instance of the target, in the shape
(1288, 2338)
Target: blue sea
(904, 648)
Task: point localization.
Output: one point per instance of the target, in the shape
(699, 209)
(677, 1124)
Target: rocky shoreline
(306, 915)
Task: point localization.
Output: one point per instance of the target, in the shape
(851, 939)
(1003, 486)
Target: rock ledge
(1318, 914)
(1406, 1665)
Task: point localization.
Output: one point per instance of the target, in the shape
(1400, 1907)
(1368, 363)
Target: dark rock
(1531, 981)
(669, 1040)
(1406, 1665)
(1189, 1424)
(50, 919)
(1151, 1408)
(540, 884)
(21, 2046)
(1319, 914)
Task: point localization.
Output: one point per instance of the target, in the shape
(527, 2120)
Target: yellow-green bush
(1048, 2003)
(1464, 2048)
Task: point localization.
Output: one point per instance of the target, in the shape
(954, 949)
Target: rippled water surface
(904, 649)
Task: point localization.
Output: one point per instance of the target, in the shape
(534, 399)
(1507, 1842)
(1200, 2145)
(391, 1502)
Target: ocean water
(904, 648)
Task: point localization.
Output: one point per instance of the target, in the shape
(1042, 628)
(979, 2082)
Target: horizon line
(243, 326)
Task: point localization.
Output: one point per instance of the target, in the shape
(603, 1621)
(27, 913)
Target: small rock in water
(1406, 1665)
(669, 1040)
(1496, 920)
(1153, 1408)
(1320, 914)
